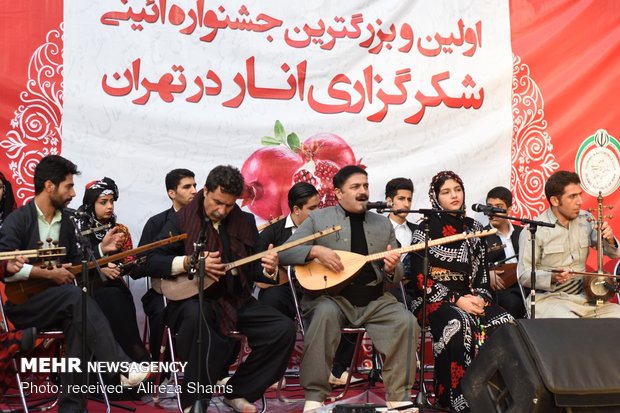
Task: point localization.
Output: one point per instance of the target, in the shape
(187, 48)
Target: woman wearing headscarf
(112, 295)
(7, 199)
(460, 310)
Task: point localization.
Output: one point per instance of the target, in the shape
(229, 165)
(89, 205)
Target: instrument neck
(599, 243)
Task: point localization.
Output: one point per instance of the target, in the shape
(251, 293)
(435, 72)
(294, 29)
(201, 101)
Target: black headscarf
(461, 256)
(94, 190)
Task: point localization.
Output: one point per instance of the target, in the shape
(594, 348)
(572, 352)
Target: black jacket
(20, 231)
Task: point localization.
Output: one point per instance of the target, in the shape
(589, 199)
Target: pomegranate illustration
(270, 171)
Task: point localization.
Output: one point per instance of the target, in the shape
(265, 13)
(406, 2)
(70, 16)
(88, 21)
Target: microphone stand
(421, 398)
(533, 226)
(86, 251)
(197, 267)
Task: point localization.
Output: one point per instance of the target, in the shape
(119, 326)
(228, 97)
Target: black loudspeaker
(546, 366)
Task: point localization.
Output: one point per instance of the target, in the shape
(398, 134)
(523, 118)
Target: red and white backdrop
(502, 92)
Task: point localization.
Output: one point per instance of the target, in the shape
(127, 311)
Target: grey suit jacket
(377, 228)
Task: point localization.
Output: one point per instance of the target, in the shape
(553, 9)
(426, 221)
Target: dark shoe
(29, 337)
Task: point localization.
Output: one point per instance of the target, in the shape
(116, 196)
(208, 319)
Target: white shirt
(290, 224)
(403, 233)
(509, 250)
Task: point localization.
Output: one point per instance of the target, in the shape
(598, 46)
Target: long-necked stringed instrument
(600, 287)
(314, 276)
(19, 291)
(41, 254)
(270, 222)
(181, 287)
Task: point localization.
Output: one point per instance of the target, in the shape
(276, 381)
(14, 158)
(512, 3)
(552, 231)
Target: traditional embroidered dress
(456, 269)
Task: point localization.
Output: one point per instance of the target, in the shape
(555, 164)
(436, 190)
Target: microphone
(77, 213)
(380, 205)
(199, 247)
(487, 209)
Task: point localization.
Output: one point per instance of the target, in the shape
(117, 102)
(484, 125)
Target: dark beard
(57, 203)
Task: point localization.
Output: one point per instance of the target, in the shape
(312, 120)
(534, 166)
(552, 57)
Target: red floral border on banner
(36, 126)
(532, 160)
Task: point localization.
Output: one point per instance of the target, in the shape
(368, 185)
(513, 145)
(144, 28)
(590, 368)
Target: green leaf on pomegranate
(278, 131)
(268, 140)
(293, 141)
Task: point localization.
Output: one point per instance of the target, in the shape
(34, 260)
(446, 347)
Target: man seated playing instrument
(399, 194)
(59, 307)
(181, 189)
(503, 248)
(361, 302)
(230, 234)
(564, 248)
(302, 199)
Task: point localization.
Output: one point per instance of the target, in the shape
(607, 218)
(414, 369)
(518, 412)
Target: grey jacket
(377, 228)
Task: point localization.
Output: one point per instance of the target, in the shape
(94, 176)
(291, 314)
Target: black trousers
(155, 310)
(512, 300)
(116, 302)
(61, 308)
(270, 334)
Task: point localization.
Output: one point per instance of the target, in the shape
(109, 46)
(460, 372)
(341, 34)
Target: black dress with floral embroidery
(459, 269)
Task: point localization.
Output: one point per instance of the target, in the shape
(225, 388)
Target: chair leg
(20, 387)
(104, 394)
(264, 400)
(175, 375)
(358, 342)
(162, 350)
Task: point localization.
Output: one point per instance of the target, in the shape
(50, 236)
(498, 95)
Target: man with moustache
(362, 301)
(565, 247)
(230, 235)
(59, 307)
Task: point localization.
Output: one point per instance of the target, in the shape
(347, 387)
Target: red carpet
(360, 393)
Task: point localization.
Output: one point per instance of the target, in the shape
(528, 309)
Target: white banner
(404, 88)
